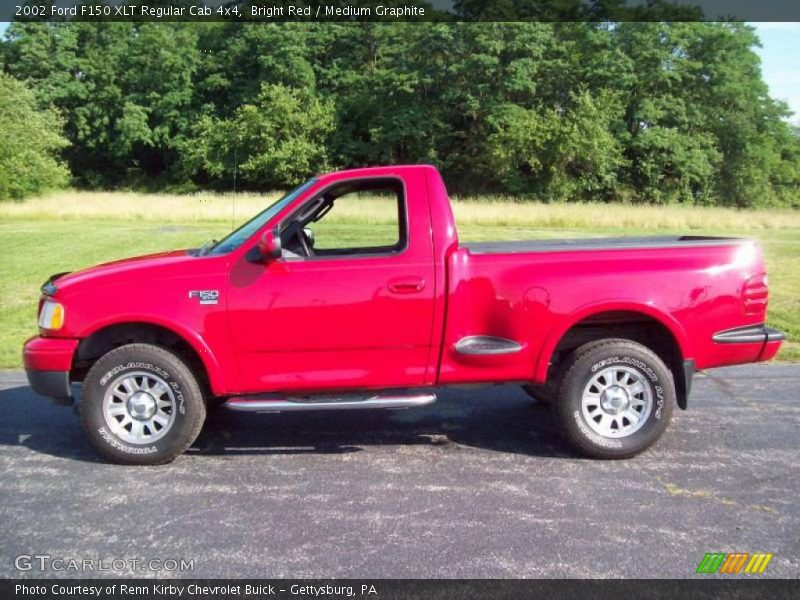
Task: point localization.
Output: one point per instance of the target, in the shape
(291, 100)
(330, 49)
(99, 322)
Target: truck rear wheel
(616, 398)
(141, 405)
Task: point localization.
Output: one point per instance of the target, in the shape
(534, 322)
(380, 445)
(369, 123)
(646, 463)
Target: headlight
(51, 316)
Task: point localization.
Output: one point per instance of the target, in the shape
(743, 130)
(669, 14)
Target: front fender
(216, 376)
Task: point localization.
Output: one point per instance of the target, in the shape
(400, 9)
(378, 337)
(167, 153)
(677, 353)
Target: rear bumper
(749, 335)
(767, 338)
(47, 363)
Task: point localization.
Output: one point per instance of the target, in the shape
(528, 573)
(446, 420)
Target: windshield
(241, 235)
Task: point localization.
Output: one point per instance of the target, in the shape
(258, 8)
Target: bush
(273, 143)
(29, 145)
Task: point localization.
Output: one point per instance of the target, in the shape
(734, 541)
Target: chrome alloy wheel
(617, 401)
(139, 407)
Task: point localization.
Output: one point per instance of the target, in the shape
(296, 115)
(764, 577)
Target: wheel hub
(617, 401)
(139, 407)
(142, 406)
(614, 399)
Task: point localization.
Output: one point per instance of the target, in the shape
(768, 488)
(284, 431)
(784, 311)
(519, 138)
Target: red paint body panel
(393, 320)
(154, 290)
(49, 354)
(338, 322)
(769, 350)
(535, 298)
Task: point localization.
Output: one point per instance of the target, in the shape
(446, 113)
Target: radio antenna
(233, 202)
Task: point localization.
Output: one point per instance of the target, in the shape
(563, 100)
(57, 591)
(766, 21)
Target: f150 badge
(205, 296)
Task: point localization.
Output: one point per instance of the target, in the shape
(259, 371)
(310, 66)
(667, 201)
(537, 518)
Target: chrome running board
(344, 402)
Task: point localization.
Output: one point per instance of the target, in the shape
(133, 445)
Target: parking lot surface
(477, 485)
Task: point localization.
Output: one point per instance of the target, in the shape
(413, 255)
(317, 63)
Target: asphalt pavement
(477, 485)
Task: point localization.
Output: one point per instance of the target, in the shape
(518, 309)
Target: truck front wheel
(141, 405)
(616, 398)
(542, 393)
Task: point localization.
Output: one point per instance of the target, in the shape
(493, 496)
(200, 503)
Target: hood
(119, 269)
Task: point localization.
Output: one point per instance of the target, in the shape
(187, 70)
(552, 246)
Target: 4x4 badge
(205, 296)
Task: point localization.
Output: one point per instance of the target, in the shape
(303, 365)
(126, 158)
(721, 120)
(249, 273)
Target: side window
(355, 217)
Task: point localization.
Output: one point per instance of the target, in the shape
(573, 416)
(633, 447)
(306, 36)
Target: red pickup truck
(276, 317)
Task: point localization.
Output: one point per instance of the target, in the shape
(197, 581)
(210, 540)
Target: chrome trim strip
(774, 335)
(255, 404)
(486, 345)
(750, 334)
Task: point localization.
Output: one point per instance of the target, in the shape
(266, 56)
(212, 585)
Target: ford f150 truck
(277, 317)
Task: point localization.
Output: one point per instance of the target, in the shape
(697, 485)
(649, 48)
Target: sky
(780, 61)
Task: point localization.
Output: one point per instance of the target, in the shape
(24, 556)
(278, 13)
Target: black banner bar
(266, 11)
(393, 589)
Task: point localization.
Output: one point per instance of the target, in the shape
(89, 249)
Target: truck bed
(606, 243)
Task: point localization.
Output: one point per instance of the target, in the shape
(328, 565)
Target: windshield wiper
(207, 247)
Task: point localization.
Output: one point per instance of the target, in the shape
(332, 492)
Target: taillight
(755, 294)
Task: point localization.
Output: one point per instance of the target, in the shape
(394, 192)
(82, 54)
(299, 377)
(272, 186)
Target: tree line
(646, 112)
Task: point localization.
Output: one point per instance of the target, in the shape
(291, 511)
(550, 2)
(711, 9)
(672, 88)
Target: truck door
(350, 304)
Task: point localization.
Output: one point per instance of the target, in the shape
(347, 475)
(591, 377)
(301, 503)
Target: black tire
(592, 360)
(144, 364)
(546, 393)
(214, 403)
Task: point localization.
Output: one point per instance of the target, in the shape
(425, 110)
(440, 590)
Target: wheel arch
(188, 344)
(641, 323)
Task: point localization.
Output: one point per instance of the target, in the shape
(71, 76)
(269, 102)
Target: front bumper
(48, 362)
(53, 384)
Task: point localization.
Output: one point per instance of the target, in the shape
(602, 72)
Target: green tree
(276, 142)
(557, 154)
(125, 89)
(237, 60)
(30, 144)
(700, 123)
(158, 79)
(651, 111)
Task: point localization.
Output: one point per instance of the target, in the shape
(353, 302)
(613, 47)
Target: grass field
(71, 230)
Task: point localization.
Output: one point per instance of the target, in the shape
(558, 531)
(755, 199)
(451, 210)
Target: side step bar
(293, 404)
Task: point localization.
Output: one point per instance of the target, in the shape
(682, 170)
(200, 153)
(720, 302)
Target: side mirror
(269, 246)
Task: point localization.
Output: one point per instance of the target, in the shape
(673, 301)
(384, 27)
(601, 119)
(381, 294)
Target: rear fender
(557, 334)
